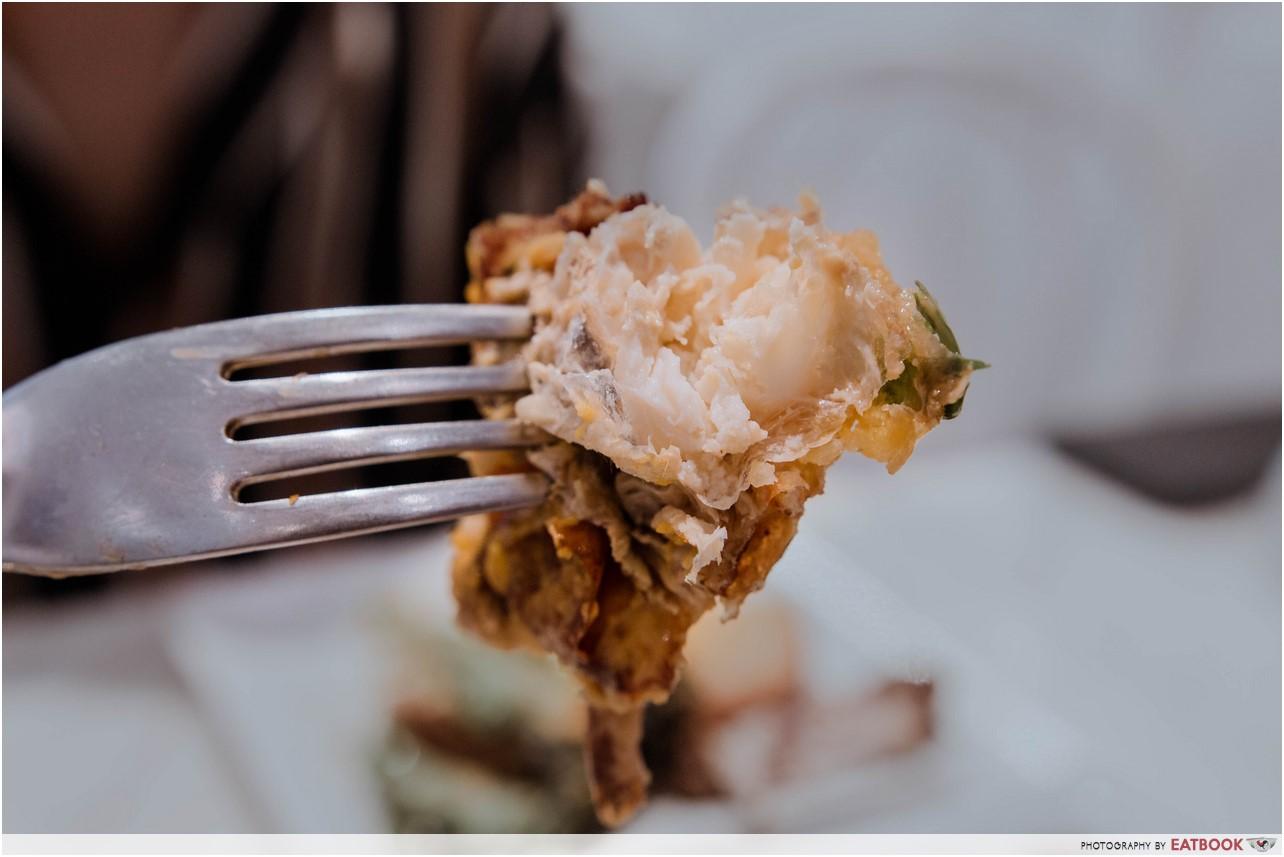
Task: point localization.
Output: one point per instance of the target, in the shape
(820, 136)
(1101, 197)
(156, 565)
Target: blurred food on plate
(481, 740)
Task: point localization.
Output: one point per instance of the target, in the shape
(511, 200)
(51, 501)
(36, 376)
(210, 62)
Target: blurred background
(1088, 641)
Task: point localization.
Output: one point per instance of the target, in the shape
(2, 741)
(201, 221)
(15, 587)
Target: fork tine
(318, 517)
(295, 455)
(314, 333)
(266, 399)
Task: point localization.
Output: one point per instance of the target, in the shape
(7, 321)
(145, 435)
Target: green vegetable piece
(957, 364)
(931, 312)
(902, 390)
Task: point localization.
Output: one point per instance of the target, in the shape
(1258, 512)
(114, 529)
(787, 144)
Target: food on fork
(694, 398)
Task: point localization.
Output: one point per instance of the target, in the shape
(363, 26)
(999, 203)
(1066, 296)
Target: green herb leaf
(931, 312)
(902, 390)
(957, 364)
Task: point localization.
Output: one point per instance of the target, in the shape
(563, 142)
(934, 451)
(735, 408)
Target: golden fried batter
(696, 398)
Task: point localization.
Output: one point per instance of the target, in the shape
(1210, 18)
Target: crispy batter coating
(627, 553)
(618, 778)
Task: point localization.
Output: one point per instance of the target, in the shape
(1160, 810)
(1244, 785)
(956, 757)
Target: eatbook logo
(1261, 843)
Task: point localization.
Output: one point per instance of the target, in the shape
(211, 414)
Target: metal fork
(122, 458)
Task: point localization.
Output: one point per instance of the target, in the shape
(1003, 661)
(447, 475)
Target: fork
(123, 457)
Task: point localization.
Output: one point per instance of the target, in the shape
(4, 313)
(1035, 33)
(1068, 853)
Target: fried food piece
(618, 778)
(696, 397)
